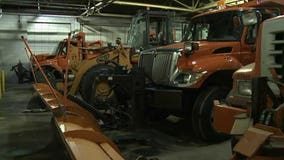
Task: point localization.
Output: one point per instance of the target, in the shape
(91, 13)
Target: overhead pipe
(191, 9)
(35, 2)
(113, 15)
(196, 4)
(153, 6)
(96, 8)
(212, 5)
(179, 2)
(117, 2)
(46, 5)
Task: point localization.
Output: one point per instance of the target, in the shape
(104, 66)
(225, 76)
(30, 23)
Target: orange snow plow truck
(89, 60)
(77, 127)
(185, 78)
(254, 110)
(86, 59)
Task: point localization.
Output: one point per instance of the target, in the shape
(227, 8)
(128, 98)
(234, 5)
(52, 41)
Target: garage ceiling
(114, 7)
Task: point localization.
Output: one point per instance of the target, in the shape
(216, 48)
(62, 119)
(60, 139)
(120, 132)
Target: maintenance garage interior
(141, 80)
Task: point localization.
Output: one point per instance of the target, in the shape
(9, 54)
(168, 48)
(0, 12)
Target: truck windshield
(137, 33)
(221, 26)
(59, 48)
(147, 33)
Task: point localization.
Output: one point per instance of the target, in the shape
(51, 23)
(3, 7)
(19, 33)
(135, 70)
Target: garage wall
(44, 32)
(105, 28)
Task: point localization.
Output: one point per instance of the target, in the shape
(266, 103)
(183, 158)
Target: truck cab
(80, 50)
(83, 60)
(268, 64)
(151, 29)
(255, 104)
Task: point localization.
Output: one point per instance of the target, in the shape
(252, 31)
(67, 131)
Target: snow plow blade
(78, 128)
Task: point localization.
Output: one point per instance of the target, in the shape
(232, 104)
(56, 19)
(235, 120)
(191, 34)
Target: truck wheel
(89, 80)
(202, 114)
(103, 94)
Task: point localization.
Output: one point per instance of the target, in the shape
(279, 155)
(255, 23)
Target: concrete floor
(26, 136)
(30, 136)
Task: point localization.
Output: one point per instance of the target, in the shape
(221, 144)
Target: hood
(206, 47)
(173, 46)
(45, 56)
(209, 52)
(177, 45)
(245, 73)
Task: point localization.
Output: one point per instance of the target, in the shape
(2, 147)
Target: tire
(89, 80)
(202, 114)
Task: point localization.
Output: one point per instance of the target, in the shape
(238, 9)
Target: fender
(45, 56)
(51, 63)
(216, 63)
(212, 64)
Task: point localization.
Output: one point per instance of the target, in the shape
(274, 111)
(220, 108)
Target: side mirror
(249, 18)
(189, 47)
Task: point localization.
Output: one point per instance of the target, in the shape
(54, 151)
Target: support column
(1, 86)
(3, 81)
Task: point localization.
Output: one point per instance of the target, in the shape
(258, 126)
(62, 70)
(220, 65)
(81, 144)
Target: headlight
(188, 78)
(244, 88)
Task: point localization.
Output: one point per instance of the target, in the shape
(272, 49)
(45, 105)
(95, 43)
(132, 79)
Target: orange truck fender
(210, 65)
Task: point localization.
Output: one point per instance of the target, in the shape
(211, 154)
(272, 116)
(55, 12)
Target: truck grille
(160, 65)
(272, 49)
(146, 62)
(161, 68)
(278, 54)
